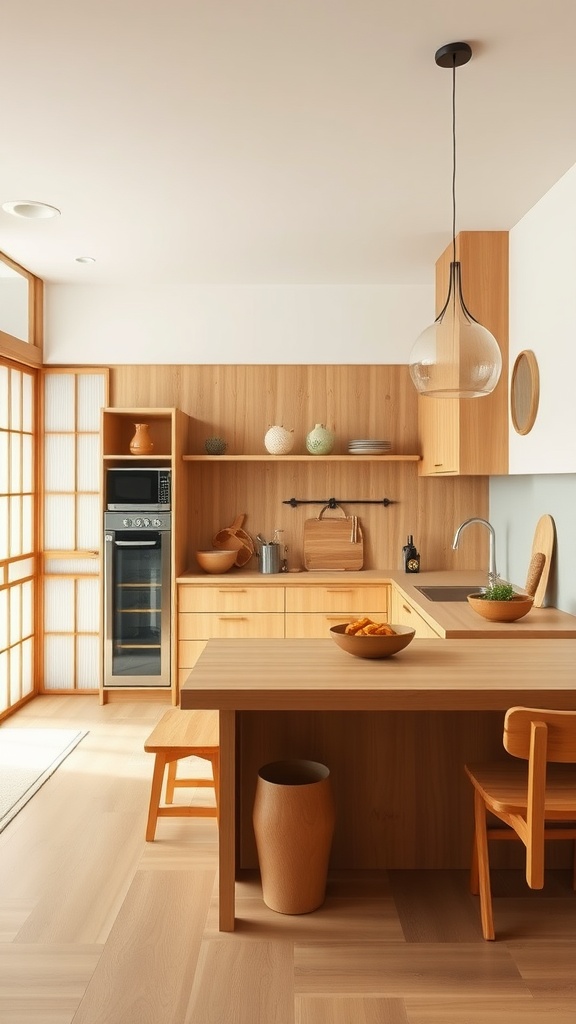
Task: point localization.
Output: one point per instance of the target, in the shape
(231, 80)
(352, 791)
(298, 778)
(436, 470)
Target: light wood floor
(99, 927)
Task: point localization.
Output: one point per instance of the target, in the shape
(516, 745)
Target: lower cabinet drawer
(230, 597)
(403, 614)
(338, 597)
(317, 624)
(230, 625)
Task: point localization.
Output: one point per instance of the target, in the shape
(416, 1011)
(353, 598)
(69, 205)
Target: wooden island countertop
(239, 677)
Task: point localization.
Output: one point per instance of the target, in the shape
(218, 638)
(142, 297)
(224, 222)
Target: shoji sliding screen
(71, 529)
(17, 540)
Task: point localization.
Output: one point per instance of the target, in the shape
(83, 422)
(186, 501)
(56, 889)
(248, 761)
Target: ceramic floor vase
(294, 823)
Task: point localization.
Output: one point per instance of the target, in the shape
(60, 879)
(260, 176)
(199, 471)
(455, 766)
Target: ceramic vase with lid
(141, 443)
(278, 440)
(320, 440)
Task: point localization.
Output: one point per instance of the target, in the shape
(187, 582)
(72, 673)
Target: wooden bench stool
(182, 734)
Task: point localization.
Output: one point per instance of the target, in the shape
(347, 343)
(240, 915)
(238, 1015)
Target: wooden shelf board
(301, 458)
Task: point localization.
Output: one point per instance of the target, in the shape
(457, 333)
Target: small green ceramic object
(215, 446)
(320, 441)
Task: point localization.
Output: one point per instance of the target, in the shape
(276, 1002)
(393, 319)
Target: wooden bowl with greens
(501, 603)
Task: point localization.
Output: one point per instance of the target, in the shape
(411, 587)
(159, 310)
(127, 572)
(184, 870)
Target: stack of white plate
(369, 446)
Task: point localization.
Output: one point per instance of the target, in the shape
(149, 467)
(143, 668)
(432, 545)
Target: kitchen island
(394, 733)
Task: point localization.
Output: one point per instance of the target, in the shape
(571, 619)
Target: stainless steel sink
(449, 593)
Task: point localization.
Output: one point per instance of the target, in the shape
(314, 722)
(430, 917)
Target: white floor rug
(28, 757)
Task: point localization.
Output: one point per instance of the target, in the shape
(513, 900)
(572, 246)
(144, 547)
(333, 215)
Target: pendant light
(455, 357)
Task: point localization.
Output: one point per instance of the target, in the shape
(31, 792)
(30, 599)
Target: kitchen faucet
(492, 571)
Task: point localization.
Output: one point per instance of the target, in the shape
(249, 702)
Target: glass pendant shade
(455, 357)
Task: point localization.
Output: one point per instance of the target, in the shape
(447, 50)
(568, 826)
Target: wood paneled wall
(240, 402)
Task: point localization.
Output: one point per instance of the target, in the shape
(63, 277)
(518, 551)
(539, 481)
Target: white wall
(252, 324)
(543, 318)
(543, 463)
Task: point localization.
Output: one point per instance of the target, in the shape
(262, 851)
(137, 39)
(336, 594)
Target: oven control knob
(156, 522)
(146, 522)
(138, 521)
(126, 522)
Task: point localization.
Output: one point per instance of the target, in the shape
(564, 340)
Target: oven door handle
(135, 543)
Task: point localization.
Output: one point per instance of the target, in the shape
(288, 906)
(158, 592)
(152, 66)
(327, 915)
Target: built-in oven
(137, 599)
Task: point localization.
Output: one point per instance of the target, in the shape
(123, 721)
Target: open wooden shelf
(301, 458)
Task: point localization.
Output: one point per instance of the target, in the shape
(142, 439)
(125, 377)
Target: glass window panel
(4, 436)
(15, 602)
(15, 525)
(59, 462)
(88, 463)
(91, 398)
(16, 400)
(27, 464)
(4, 528)
(20, 569)
(72, 566)
(15, 674)
(58, 605)
(27, 608)
(59, 663)
(3, 619)
(4, 403)
(87, 606)
(87, 662)
(59, 522)
(59, 401)
(88, 522)
(15, 463)
(27, 524)
(27, 666)
(3, 680)
(27, 402)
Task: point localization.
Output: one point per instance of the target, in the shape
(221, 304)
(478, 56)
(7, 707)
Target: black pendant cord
(455, 281)
(454, 159)
(334, 502)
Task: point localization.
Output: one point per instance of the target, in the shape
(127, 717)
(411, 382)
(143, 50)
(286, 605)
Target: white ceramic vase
(278, 440)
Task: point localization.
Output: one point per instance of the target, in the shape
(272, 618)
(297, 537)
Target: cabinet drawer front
(340, 597)
(188, 652)
(239, 625)
(405, 615)
(233, 597)
(317, 624)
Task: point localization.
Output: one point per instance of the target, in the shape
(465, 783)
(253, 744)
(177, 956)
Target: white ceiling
(274, 141)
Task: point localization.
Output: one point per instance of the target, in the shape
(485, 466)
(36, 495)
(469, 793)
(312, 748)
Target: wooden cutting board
(328, 544)
(544, 539)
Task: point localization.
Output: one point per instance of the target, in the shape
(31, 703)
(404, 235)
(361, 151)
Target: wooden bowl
(372, 646)
(216, 561)
(501, 611)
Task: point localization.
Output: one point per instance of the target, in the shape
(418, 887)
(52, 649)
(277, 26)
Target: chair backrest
(560, 733)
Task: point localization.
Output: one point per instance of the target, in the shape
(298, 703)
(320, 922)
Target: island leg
(227, 823)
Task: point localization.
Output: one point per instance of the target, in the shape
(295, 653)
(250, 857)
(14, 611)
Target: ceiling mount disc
(453, 55)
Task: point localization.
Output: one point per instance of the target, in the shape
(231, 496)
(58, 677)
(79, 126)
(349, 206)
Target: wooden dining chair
(534, 796)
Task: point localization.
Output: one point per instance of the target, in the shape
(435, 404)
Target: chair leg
(474, 880)
(215, 761)
(483, 866)
(155, 796)
(171, 781)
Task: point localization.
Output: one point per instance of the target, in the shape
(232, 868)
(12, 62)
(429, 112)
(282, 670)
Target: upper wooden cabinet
(469, 437)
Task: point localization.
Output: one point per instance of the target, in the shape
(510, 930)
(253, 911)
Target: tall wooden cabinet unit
(469, 437)
(169, 431)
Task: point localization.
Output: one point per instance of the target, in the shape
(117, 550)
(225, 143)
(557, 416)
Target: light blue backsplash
(516, 504)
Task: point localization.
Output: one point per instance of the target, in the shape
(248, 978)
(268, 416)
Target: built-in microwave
(138, 489)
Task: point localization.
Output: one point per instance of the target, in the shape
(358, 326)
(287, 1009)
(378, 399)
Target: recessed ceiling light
(30, 210)
(85, 259)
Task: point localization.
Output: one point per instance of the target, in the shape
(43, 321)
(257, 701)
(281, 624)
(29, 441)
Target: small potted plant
(501, 603)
